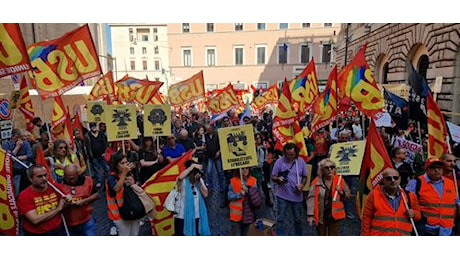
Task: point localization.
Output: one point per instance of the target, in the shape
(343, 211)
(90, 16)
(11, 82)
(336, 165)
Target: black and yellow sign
(121, 122)
(348, 157)
(96, 111)
(237, 147)
(157, 120)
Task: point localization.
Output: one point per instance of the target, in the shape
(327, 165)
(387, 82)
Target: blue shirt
(393, 200)
(24, 150)
(168, 151)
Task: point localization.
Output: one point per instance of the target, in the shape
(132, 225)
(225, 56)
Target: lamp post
(346, 43)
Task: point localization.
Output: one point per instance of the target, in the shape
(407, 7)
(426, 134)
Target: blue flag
(397, 107)
(417, 97)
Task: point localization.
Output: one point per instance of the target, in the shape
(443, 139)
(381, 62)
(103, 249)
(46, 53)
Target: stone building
(432, 48)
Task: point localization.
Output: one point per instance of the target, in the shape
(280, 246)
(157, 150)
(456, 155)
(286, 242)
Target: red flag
(62, 64)
(77, 124)
(304, 89)
(13, 52)
(437, 131)
(41, 160)
(25, 103)
(158, 187)
(224, 101)
(104, 88)
(324, 109)
(268, 96)
(9, 210)
(376, 159)
(186, 91)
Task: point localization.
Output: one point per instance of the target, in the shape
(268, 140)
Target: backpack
(132, 207)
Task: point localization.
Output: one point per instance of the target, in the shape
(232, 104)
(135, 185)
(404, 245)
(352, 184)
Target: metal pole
(407, 207)
(346, 44)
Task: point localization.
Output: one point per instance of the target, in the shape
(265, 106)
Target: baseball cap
(431, 161)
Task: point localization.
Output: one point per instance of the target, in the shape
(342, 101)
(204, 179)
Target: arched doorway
(381, 69)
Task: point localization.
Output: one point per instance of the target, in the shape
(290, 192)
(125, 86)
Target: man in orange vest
(385, 212)
(437, 199)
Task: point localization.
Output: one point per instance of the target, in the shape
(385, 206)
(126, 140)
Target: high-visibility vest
(113, 203)
(438, 211)
(78, 215)
(338, 209)
(236, 206)
(386, 221)
(67, 161)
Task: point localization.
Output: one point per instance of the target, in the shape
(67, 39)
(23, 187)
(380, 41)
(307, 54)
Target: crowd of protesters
(95, 166)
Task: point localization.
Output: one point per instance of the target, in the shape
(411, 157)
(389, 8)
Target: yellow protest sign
(157, 120)
(121, 122)
(348, 157)
(96, 111)
(237, 147)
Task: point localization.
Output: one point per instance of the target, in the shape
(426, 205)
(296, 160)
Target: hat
(431, 161)
(92, 124)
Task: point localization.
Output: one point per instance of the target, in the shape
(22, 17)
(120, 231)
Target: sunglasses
(389, 178)
(62, 147)
(331, 167)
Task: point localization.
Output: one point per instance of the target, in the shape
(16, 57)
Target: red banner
(304, 88)
(8, 208)
(13, 52)
(62, 64)
(158, 187)
(25, 102)
(324, 109)
(437, 131)
(187, 90)
(267, 97)
(59, 118)
(103, 88)
(132, 89)
(224, 101)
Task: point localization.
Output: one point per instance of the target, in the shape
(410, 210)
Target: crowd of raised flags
(56, 66)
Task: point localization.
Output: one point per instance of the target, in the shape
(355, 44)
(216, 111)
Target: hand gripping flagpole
(52, 186)
(336, 191)
(407, 207)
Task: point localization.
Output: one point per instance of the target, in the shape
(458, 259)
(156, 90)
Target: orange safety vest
(78, 215)
(338, 209)
(113, 203)
(236, 206)
(386, 221)
(438, 211)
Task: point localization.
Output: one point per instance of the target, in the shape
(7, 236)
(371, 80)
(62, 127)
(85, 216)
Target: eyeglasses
(331, 167)
(389, 178)
(62, 147)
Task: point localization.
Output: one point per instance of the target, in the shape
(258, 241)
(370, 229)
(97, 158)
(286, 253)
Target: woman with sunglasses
(325, 199)
(63, 156)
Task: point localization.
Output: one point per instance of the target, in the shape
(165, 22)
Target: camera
(284, 174)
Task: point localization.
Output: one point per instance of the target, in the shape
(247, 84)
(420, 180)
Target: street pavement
(219, 221)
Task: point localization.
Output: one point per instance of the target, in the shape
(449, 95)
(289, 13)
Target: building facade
(244, 54)
(141, 51)
(433, 50)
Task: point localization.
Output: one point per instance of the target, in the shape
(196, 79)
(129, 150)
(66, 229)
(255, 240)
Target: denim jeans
(84, 229)
(17, 184)
(100, 169)
(296, 209)
(210, 172)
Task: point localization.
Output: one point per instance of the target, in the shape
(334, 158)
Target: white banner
(411, 149)
(454, 131)
(383, 119)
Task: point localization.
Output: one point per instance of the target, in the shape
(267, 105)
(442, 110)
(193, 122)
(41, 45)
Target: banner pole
(420, 138)
(407, 207)
(336, 191)
(449, 149)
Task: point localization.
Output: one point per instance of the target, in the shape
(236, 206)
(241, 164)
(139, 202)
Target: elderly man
(452, 173)
(385, 213)
(41, 205)
(185, 140)
(398, 157)
(84, 193)
(437, 198)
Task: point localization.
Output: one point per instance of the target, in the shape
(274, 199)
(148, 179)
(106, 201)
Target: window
(260, 54)
(211, 57)
(187, 57)
(144, 65)
(238, 26)
(145, 37)
(282, 53)
(156, 50)
(131, 50)
(210, 27)
(131, 35)
(385, 73)
(260, 26)
(185, 27)
(133, 65)
(157, 65)
(239, 55)
(283, 25)
(144, 50)
(306, 25)
(328, 25)
(305, 53)
(326, 53)
(423, 64)
(155, 38)
(155, 30)
(157, 79)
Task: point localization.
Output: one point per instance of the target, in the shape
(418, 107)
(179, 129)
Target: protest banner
(411, 149)
(157, 120)
(348, 157)
(96, 111)
(121, 122)
(237, 146)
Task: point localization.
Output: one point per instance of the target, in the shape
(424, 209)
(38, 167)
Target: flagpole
(407, 207)
(53, 187)
(41, 104)
(420, 138)
(336, 191)
(453, 170)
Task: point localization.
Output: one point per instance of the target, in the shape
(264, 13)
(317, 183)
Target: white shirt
(181, 201)
(357, 131)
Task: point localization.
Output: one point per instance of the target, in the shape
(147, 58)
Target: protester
(325, 208)
(185, 140)
(385, 212)
(45, 144)
(173, 150)
(62, 156)
(200, 144)
(150, 158)
(191, 218)
(244, 198)
(78, 214)
(41, 205)
(96, 144)
(290, 175)
(214, 164)
(453, 174)
(398, 157)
